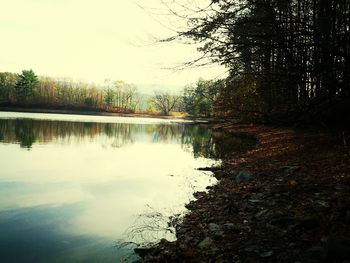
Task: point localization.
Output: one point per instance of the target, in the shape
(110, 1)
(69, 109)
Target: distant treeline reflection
(203, 141)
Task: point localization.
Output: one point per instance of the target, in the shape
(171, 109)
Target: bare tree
(165, 102)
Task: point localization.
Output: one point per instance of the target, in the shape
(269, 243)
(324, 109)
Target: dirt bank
(287, 200)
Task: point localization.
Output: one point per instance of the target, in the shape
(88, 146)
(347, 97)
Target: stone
(200, 194)
(206, 243)
(289, 169)
(182, 230)
(205, 169)
(215, 229)
(347, 216)
(244, 176)
(338, 250)
(266, 254)
(143, 251)
(255, 201)
(309, 222)
(283, 221)
(315, 252)
(320, 205)
(261, 213)
(220, 174)
(230, 226)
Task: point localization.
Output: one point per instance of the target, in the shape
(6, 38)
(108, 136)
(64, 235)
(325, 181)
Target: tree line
(286, 58)
(28, 90)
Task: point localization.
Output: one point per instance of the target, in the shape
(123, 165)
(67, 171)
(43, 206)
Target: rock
(289, 169)
(191, 205)
(244, 176)
(338, 250)
(347, 217)
(200, 194)
(320, 206)
(251, 249)
(210, 169)
(266, 254)
(283, 221)
(182, 230)
(259, 196)
(220, 174)
(143, 251)
(230, 226)
(255, 201)
(278, 189)
(293, 183)
(315, 252)
(309, 222)
(215, 229)
(206, 243)
(261, 213)
(205, 169)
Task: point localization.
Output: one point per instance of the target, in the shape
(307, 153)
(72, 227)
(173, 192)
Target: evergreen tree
(25, 85)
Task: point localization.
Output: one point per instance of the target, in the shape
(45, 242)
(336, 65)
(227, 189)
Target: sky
(94, 40)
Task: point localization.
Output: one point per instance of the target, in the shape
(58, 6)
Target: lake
(79, 188)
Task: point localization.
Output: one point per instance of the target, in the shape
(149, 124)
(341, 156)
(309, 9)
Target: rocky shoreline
(286, 200)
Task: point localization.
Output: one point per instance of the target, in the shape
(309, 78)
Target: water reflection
(203, 141)
(78, 186)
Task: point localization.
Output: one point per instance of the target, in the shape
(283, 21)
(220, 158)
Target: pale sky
(91, 40)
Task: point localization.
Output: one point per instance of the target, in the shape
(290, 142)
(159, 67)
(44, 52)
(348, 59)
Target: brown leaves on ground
(295, 207)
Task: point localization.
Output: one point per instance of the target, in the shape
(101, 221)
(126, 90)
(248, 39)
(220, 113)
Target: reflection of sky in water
(88, 118)
(69, 198)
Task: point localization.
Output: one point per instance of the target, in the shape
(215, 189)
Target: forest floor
(286, 200)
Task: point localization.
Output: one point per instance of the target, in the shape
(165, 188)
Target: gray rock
(347, 216)
(182, 230)
(255, 201)
(266, 254)
(260, 213)
(230, 226)
(143, 251)
(315, 252)
(215, 229)
(338, 250)
(320, 205)
(244, 176)
(206, 243)
(220, 174)
(286, 170)
(309, 222)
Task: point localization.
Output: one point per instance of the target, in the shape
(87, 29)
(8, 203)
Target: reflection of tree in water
(203, 142)
(121, 133)
(24, 134)
(213, 144)
(28, 131)
(167, 133)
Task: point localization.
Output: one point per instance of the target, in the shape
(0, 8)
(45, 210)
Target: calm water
(72, 187)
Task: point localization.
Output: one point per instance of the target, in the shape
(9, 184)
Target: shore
(86, 112)
(287, 200)
(112, 114)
